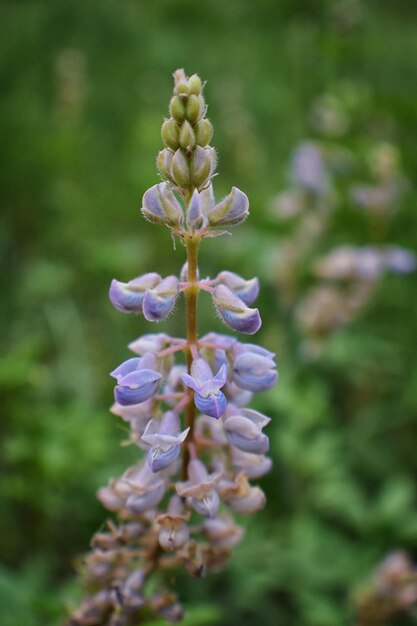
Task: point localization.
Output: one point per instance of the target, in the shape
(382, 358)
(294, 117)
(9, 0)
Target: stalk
(191, 294)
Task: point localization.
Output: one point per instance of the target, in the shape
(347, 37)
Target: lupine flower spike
(184, 399)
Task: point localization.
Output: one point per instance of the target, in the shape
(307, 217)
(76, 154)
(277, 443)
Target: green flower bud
(182, 90)
(177, 109)
(187, 136)
(194, 85)
(180, 170)
(181, 87)
(203, 132)
(170, 134)
(193, 109)
(202, 105)
(164, 163)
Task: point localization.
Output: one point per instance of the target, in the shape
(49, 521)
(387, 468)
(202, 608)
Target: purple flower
(246, 290)
(223, 532)
(159, 205)
(137, 380)
(254, 368)
(144, 489)
(243, 428)
(254, 465)
(234, 311)
(128, 297)
(151, 342)
(174, 533)
(165, 438)
(400, 260)
(240, 496)
(201, 489)
(159, 301)
(207, 397)
(138, 490)
(233, 209)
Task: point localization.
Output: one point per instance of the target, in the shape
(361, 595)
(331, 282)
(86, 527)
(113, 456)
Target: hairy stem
(191, 294)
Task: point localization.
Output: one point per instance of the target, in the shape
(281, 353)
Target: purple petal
(159, 302)
(128, 297)
(248, 322)
(256, 383)
(196, 217)
(213, 405)
(159, 459)
(257, 445)
(232, 209)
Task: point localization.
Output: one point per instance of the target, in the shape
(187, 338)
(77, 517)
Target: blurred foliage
(84, 88)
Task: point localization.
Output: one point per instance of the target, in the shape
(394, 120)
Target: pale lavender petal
(125, 368)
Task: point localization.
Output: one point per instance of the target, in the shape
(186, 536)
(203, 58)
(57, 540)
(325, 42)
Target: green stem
(191, 294)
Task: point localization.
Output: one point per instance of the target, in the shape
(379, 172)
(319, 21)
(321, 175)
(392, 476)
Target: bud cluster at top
(184, 399)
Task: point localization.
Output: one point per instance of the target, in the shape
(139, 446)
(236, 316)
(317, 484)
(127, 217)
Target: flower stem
(191, 294)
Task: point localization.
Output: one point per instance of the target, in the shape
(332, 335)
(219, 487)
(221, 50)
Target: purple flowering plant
(183, 398)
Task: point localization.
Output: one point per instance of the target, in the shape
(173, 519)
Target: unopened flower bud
(187, 136)
(128, 297)
(254, 368)
(243, 429)
(159, 302)
(234, 311)
(196, 216)
(233, 209)
(181, 87)
(164, 163)
(194, 85)
(203, 132)
(180, 169)
(246, 290)
(170, 134)
(254, 465)
(177, 109)
(193, 109)
(160, 206)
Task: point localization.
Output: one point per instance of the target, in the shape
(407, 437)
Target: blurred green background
(84, 88)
